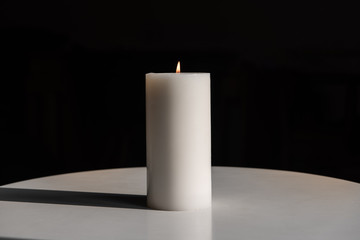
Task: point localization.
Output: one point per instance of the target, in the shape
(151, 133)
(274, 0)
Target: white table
(248, 204)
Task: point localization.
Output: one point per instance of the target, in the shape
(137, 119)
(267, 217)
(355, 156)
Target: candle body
(178, 137)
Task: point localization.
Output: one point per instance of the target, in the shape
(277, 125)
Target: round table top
(247, 204)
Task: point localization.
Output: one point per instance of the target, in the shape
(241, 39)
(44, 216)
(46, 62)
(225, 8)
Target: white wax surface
(178, 140)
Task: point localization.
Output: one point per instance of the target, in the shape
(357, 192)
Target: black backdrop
(285, 91)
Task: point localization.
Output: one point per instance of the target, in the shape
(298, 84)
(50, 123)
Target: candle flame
(178, 67)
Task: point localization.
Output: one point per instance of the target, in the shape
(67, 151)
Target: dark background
(285, 82)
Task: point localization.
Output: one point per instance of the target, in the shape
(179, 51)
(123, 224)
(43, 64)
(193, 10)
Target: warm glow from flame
(178, 67)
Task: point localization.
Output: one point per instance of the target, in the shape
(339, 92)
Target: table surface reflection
(247, 204)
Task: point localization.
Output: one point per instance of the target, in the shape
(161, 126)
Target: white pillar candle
(178, 136)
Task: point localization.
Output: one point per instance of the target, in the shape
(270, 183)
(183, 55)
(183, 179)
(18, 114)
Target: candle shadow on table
(73, 198)
(11, 238)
